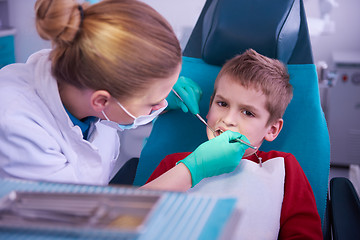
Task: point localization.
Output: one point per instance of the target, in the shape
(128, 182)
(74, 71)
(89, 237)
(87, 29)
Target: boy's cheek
(212, 117)
(210, 120)
(209, 134)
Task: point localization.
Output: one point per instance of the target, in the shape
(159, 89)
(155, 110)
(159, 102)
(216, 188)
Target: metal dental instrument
(197, 115)
(245, 143)
(212, 130)
(242, 141)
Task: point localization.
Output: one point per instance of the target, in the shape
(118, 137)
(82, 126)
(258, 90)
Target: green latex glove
(216, 156)
(189, 91)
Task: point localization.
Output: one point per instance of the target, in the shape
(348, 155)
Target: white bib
(259, 192)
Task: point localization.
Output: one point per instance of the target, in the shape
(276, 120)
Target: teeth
(219, 131)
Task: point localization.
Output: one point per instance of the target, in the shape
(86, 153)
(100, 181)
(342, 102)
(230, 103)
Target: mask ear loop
(123, 108)
(102, 111)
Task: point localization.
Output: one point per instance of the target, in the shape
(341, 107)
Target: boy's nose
(230, 118)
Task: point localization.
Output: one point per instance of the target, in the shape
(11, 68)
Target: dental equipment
(212, 130)
(74, 212)
(241, 141)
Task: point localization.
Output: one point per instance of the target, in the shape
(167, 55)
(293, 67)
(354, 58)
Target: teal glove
(216, 156)
(189, 91)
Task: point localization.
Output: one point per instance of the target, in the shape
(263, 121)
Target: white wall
(22, 17)
(347, 30)
(182, 15)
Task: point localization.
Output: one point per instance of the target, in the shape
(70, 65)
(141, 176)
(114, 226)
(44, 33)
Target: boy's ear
(100, 99)
(274, 130)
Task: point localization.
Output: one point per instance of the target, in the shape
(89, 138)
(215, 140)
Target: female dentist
(111, 68)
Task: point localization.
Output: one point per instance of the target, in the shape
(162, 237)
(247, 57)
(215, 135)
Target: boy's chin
(249, 152)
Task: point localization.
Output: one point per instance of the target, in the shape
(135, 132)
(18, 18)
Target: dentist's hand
(189, 91)
(216, 156)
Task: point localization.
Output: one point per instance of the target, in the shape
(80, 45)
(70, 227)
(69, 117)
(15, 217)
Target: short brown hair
(118, 45)
(270, 76)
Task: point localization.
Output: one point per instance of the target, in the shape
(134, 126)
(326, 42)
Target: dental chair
(277, 29)
(344, 209)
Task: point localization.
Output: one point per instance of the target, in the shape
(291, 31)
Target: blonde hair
(270, 76)
(120, 46)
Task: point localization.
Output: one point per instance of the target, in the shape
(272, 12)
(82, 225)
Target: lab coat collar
(46, 86)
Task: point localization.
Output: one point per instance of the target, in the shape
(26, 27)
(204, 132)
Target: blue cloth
(84, 124)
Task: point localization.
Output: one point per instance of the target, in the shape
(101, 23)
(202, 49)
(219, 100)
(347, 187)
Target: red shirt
(299, 216)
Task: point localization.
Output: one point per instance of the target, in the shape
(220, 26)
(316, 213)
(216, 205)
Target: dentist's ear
(99, 100)
(274, 130)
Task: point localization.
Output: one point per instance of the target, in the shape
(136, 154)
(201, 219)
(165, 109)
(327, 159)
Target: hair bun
(57, 20)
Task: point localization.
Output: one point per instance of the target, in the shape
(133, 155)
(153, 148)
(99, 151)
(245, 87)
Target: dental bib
(259, 192)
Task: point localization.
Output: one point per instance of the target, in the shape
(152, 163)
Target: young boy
(275, 199)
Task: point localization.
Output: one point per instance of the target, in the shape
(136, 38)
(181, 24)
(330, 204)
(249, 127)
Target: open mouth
(218, 132)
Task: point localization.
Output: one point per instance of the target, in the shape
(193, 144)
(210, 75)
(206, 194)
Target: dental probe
(235, 140)
(241, 141)
(247, 144)
(197, 115)
(207, 125)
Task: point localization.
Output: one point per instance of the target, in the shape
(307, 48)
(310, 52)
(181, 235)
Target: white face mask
(138, 121)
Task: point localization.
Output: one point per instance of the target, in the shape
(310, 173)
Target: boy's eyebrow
(220, 96)
(249, 107)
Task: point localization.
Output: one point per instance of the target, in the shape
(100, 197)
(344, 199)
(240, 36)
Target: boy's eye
(221, 103)
(248, 113)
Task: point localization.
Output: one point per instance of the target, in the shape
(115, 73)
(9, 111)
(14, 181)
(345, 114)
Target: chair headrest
(232, 26)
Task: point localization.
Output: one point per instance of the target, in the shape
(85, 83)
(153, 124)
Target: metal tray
(82, 213)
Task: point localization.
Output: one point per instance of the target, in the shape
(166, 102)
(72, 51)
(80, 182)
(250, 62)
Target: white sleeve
(28, 150)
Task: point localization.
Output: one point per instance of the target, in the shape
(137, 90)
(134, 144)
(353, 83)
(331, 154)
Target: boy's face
(241, 110)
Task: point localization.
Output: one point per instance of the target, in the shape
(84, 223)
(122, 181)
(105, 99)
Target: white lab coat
(37, 138)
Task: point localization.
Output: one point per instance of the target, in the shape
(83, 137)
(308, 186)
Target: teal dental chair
(277, 29)
(344, 209)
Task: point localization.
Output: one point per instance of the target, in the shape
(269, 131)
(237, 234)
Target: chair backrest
(276, 28)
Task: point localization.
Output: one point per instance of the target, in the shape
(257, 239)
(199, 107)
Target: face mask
(138, 121)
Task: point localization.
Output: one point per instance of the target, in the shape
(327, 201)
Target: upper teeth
(219, 131)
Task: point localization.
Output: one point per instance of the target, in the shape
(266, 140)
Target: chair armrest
(345, 209)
